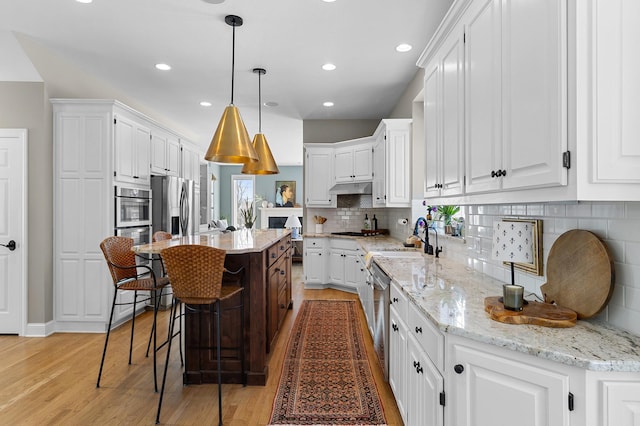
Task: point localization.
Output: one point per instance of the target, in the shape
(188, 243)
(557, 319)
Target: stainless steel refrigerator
(175, 205)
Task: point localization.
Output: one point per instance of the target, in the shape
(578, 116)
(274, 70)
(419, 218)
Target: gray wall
(329, 131)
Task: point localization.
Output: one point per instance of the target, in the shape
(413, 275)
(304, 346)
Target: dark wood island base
(266, 258)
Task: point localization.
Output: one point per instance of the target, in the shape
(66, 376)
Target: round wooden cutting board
(580, 273)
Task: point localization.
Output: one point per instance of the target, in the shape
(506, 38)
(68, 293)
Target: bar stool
(196, 274)
(129, 276)
(161, 236)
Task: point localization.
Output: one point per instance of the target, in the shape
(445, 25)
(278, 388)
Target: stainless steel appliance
(175, 205)
(133, 214)
(381, 295)
(133, 207)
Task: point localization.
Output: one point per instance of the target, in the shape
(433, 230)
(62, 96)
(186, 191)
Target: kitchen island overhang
(265, 255)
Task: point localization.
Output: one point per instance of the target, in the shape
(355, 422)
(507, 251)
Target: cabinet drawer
(283, 245)
(428, 336)
(399, 301)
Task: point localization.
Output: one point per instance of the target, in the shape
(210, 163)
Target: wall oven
(132, 207)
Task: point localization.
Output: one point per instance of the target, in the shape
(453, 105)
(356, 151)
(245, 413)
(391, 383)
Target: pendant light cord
(259, 103)
(233, 59)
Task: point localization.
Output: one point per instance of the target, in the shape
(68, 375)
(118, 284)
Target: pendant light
(231, 143)
(265, 165)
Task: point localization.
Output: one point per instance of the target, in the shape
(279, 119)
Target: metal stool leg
(133, 323)
(106, 340)
(166, 364)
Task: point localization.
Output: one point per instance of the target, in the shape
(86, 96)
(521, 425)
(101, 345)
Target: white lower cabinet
(398, 359)
(425, 390)
(613, 399)
(488, 385)
(337, 265)
(314, 260)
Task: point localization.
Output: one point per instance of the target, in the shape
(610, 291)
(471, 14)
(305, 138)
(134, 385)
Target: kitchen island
(265, 256)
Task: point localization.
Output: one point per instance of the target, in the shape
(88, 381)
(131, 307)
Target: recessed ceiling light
(328, 1)
(205, 104)
(404, 47)
(271, 104)
(84, 1)
(328, 104)
(163, 67)
(328, 67)
(213, 1)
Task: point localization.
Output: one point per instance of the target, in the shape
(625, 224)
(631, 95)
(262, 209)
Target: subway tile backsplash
(617, 224)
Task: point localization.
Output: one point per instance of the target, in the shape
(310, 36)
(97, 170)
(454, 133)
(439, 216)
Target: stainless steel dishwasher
(381, 294)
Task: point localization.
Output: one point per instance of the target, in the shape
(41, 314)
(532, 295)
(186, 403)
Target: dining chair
(127, 275)
(196, 274)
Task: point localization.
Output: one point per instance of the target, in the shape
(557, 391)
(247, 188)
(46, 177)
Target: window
(243, 194)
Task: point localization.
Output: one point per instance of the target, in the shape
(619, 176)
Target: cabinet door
(534, 93)
(425, 386)
(482, 74)
(142, 147)
(398, 361)
(614, 95)
(344, 165)
(452, 81)
(363, 163)
(431, 129)
(379, 164)
(351, 269)
(398, 167)
(159, 153)
(314, 266)
(173, 156)
(336, 266)
(484, 384)
(318, 177)
(131, 141)
(620, 403)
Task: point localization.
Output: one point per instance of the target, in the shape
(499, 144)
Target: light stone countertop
(451, 296)
(236, 242)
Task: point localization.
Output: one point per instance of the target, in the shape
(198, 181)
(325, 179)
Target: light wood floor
(52, 380)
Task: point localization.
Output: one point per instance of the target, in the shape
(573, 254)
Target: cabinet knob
(273, 255)
(458, 368)
(282, 272)
(419, 330)
(282, 306)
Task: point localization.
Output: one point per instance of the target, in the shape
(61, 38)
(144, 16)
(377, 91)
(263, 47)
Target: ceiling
(120, 41)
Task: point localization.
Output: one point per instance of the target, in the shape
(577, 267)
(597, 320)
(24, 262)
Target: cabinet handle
(504, 173)
(419, 330)
(273, 255)
(282, 306)
(458, 368)
(419, 369)
(395, 300)
(493, 173)
(395, 327)
(415, 364)
(277, 269)
(282, 272)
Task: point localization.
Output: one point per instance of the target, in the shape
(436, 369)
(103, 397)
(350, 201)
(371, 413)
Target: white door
(13, 196)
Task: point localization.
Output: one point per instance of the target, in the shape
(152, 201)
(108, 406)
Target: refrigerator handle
(184, 210)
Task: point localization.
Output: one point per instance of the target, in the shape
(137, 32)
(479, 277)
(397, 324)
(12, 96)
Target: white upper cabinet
(392, 164)
(165, 153)
(190, 162)
(318, 176)
(131, 151)
(550, 101)
(354, 163)
(515, 103)
(444, 125)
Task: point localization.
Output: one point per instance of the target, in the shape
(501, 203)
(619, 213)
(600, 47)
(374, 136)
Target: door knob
(11, 245)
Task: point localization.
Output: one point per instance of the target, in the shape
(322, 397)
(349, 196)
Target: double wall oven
(133, 214)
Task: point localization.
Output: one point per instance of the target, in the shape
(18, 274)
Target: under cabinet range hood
(351, 188)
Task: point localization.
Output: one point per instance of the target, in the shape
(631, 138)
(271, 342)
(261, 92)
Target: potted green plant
(248, 216)
(446, 214)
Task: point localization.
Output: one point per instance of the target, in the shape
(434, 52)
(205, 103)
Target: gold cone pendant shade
(265, 165)
(231, 143)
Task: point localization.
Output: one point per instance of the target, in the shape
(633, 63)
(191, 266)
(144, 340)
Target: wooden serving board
(535, 313)
(580, 274)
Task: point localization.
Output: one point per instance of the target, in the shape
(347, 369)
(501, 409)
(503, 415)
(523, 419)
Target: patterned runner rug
(326, 378)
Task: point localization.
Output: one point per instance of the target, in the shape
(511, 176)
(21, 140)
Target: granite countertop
(451, 295)
(236, 242)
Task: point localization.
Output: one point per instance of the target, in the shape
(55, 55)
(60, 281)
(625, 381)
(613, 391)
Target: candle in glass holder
(513, 297)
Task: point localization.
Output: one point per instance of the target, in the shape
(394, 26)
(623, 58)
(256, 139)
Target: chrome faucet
(428, 248)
